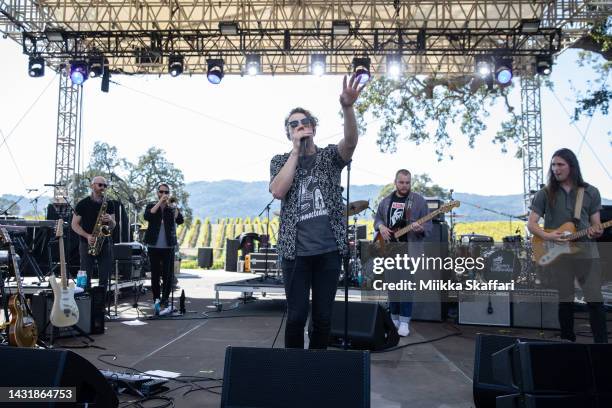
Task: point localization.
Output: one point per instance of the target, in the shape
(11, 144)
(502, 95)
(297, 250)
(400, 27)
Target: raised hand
(350, 91)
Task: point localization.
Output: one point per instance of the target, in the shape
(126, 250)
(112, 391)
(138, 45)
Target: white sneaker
(166, 311)
(403, 330)
(396, 323)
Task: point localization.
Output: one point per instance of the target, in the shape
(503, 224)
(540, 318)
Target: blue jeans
(321, 272)
(403, 309)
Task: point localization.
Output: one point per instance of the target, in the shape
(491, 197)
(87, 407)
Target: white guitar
(65, 311)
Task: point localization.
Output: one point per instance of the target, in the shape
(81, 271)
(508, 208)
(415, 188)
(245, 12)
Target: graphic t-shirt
(396, 214)
(314, 234)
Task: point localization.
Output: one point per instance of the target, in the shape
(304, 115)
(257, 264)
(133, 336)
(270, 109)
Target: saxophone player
(163, 216)
(87, 214)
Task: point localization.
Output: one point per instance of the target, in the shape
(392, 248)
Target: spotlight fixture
(215, 70)
(317, 64)
(253, 64)
(36, 67)
(54, 35)
(394, 66)
(228, 27)
(341, 27)
(483, 65)
(176, 64)
(96, 66)
(530, 26)
(503, 71)
(544, 64)
(78, 72)
(361, 68)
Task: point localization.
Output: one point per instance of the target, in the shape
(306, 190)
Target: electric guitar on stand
(547, 252)
(65, 311)
(399, 232)
(22, 327)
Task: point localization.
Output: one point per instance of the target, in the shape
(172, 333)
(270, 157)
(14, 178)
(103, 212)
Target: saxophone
(99, 232)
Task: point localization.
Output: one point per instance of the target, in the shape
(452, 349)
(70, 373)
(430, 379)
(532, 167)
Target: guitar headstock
(449, 206)
(5, 238)
(59, 228)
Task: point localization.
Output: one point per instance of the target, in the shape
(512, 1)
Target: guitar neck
(583, 232)
(422, 220)
(63, 263)
(16, 269)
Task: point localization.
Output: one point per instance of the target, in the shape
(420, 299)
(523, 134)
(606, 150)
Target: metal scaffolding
(531, 129)
(68, 135)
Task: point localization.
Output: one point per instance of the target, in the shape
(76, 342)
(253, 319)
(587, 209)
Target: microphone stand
(5, 212)
(345, 343)
(267, 247)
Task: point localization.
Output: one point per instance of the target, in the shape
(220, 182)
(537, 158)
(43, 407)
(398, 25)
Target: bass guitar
(65, 311)
(399, 232)
(22, 327)
(546, 252)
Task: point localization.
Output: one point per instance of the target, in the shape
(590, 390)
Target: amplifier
(484, 308)
(42, 303)
(433, 203)
(535, 308)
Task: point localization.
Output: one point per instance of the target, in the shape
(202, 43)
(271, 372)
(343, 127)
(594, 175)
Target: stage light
(96, 66)
(78, 72)
(341, 27)
(228, 27)
(176, 64)
(394, 66)
(36, 67)
(54, 35)
(361, 68)
(530, 26)
(544, 64)
(421, 40)
(215, 70)
(483, 65)
(503, 71)
(317, 64)
(253, 64)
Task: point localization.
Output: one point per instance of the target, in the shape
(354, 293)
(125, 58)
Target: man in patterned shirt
(312, 235)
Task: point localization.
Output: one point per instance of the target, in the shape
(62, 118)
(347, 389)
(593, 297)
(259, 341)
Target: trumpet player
(91, 222)
(160, 237)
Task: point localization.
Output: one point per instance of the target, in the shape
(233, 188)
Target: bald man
(83, 223)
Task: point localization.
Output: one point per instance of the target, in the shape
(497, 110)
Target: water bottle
(82, 279)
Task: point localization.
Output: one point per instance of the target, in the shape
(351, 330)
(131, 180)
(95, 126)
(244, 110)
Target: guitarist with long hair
(399, 209)
(559, 203)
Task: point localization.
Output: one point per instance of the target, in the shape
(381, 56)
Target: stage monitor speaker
(296, 378)
(535, 308)
(25, 367)
(205, 257)
(42, 303)
(369, 326)
(231, 254)
(486, 386)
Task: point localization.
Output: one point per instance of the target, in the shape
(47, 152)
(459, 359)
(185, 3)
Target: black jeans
(162, 264)
(321, 272)
(104, 260)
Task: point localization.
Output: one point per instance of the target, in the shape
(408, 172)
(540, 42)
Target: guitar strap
(578, 206)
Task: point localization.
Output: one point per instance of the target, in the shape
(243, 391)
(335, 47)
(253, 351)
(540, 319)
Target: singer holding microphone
(160, 237)
(312, 236)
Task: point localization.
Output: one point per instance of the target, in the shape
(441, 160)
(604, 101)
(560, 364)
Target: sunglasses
(163, 191)
(306, 122)
(102, 185)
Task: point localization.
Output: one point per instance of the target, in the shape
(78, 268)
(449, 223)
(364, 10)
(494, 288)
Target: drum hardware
(356, 207)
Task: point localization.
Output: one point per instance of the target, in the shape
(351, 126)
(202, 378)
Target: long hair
(575, 175)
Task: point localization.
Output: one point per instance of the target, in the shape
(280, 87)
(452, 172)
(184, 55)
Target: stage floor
(436, 374)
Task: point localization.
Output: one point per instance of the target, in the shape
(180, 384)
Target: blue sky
(231, 131)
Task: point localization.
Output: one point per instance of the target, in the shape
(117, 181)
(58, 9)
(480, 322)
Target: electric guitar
(399, 232)
(65, 311)
(546, 252)
(22, 327)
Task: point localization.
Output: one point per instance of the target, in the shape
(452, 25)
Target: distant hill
(231, 198)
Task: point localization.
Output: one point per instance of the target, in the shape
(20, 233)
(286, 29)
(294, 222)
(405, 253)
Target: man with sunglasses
(83, 223)
(163, 217)
(312, 236)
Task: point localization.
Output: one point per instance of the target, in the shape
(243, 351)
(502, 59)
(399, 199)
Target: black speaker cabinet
(281, 378)
(486, 384)
(231, 254)
(369, 326)
(25, 367)
(205, 257)
(42, 303)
